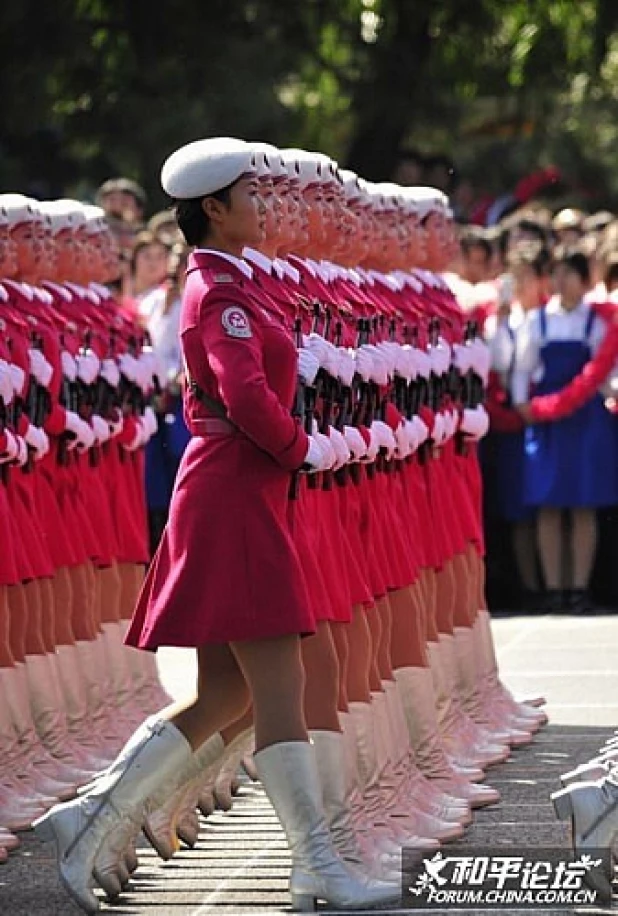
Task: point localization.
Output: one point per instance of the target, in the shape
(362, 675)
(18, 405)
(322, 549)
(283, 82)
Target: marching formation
(324, 550)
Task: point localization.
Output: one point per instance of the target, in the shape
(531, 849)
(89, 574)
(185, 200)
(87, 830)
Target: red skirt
(226, 568)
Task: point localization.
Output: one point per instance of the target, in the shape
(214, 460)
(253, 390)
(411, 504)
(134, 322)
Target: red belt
(212, 426)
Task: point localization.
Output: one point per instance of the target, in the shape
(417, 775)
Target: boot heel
(563, 804)
(44, 829)
(304, 903)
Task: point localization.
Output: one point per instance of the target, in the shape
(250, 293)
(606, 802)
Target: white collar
(554, 307)
(288, 269)
(256, 257)
(232, 259)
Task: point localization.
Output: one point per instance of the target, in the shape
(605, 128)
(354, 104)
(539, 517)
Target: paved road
(241, 863)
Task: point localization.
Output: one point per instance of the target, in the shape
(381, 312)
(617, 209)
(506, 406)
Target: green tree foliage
(92, 88)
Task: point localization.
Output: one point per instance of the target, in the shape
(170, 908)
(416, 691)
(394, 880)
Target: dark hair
(531, 227)
(191, 219)
(474, 240)
(575, 261)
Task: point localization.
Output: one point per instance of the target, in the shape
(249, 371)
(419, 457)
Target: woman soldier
(226, 578)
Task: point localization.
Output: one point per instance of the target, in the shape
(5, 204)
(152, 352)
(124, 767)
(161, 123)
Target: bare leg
(48, 614)
(339, 633)
(549, 528)
(63, 597)
(375, 631)
(359, 669)
(583, 545)
(407, 636)
(525, 550)
(18, 613)
(321, 666)
(111, 588)
(6, 656)
(221, 698)
(268, 664)
(34, 642)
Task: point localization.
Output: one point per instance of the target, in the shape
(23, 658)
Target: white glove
(389, 350)
(128, 367)
(116, 423)
(364, 363)
(402, 439)
(340, 447)
(6, 383)
(320, 455)
(37, 439)
(88, 366)
(422, 363)
(18, 378)
(371, 450)
(84, 436)
(380, 365)
(347, 367)
(12, 447)
(405, 364)
(437, 433)
(69, 366)
(386, 437)
(40, 368)
(110, 372)
(413, 436)
(318, 347)
(355, 443)
(422, 430)
(308, 366)
(461, 357)
(100, 428)
(21, 457)
(149, 421)
(475, 422)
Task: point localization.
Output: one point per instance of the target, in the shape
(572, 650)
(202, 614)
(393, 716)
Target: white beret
(351, 184)
(63, 214)
(273, 160)
(206, 166)
(94, 219)
(19, 209)
(302, 165)
(391, 193)
(428, 200)
(329, 170)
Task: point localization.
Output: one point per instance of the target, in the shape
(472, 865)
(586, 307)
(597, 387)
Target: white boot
(166, 806)
(120, 675)
(329, 755)
(593, 810)
(79, 827)
(422, 694)
(416, 787)
(49, 712)
(289, 776)
(530, 717)
(233, 754)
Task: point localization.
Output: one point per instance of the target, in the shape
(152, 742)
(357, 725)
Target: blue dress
(573, 462)
(510, 467)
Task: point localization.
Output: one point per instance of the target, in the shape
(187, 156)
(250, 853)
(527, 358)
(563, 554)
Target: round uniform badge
(235, 322)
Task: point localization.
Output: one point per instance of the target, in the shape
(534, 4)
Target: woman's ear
(213, 209)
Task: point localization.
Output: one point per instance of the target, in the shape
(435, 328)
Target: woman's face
(8, 252)
(150, 267)
(29, 248)
(272, 209)
(528, 285)
(243, 221)
(568, 284)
